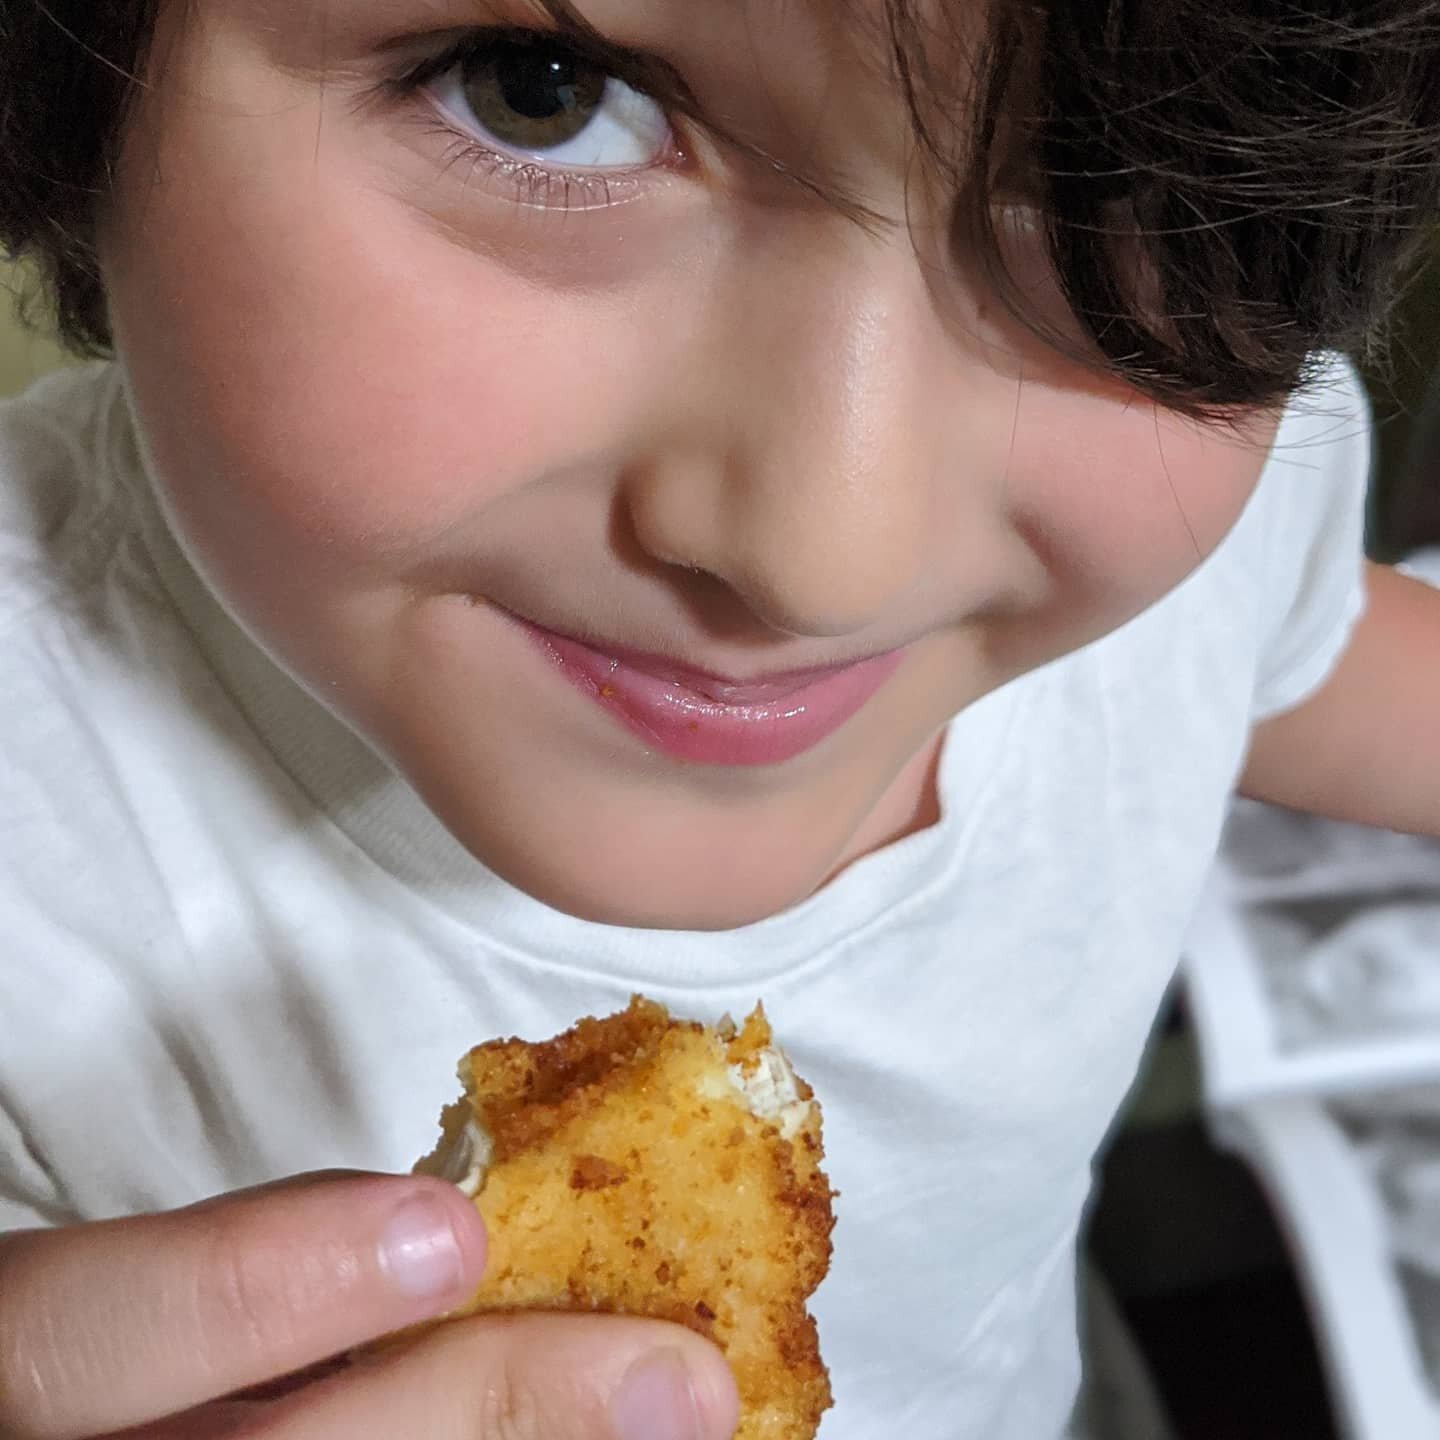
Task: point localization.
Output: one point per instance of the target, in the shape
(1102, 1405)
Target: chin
(660, 899)
(651, 910)
(641, 857)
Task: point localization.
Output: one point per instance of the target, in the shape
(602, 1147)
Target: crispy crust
(629, 1175)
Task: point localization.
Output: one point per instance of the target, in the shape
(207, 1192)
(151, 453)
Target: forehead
(872, 30)
(881, 32)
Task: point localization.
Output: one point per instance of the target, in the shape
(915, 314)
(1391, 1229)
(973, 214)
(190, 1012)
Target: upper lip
(725, 688)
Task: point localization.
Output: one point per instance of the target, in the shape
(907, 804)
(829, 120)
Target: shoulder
(81, 606)
(60, 508)
(1266, 612)
(1307, 556)
(50, 435)
(91, 645)
(1260, 618)
(1324, 446)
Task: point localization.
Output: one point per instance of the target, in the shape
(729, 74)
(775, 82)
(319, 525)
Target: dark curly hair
(1225, 187)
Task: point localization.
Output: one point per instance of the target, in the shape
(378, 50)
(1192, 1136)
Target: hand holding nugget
(218, 1319)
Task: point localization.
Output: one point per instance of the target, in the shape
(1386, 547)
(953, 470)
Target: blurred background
(1293, 1294)
(24, 354)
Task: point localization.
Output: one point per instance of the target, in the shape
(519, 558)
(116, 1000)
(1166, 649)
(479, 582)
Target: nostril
(652, 528)
(760, 543)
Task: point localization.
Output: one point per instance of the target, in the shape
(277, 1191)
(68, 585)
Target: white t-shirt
(236, 946)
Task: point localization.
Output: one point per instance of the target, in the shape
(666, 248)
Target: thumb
(114, 1324)
(527, 1376)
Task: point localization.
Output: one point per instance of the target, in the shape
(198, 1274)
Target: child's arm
(1366, 747)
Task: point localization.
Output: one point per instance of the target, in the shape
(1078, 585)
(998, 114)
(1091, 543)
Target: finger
(111, 1325)
(279, 1389)
(222, 1418)
(220, 1421)
(526, 1377)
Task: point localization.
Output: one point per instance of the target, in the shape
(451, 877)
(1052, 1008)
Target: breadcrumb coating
(622, 1167)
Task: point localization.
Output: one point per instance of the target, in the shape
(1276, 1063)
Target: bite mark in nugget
(647, 1166)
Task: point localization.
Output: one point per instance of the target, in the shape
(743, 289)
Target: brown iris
(534, 97)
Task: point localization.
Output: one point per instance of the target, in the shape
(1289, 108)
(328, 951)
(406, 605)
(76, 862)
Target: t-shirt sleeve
(1315, 487)
(28, 1195)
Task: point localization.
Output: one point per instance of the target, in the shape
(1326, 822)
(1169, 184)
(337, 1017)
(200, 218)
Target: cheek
(1121, 501)
(322, 374)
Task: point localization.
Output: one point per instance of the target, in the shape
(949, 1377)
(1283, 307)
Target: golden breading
(623, 1167)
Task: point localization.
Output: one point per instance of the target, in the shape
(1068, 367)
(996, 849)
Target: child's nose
(800, 470)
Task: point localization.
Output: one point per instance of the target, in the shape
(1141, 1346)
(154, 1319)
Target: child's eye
(540, 100)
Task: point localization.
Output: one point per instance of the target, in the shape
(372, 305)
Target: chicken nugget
(641, 1165)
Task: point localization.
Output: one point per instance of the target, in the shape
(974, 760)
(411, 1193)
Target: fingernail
(420, 1253)
(656, 1401)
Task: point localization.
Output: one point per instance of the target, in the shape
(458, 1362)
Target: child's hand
(159, 1323)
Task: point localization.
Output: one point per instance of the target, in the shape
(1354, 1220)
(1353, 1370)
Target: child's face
(401, 393)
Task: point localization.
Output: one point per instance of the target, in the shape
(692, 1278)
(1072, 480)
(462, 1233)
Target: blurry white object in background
(1423, 565)
(1373, 973)
(1403, 1159)
(1373, 1342)
(1401, 1155)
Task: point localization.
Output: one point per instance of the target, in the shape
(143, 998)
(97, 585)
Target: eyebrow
(667, 85)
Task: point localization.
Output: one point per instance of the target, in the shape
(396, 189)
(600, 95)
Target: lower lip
(691, 726)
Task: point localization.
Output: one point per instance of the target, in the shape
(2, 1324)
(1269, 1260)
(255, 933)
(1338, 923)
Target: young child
(810, 502)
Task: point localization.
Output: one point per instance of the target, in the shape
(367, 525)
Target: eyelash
(532, 183)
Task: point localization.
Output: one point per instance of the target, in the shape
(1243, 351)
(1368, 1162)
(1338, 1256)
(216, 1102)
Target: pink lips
(697, 716)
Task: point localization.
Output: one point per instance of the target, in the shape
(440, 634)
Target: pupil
(533, 97)
(536, 85)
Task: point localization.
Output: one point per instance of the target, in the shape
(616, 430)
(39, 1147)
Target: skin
(1364, 748)
(389, 398)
